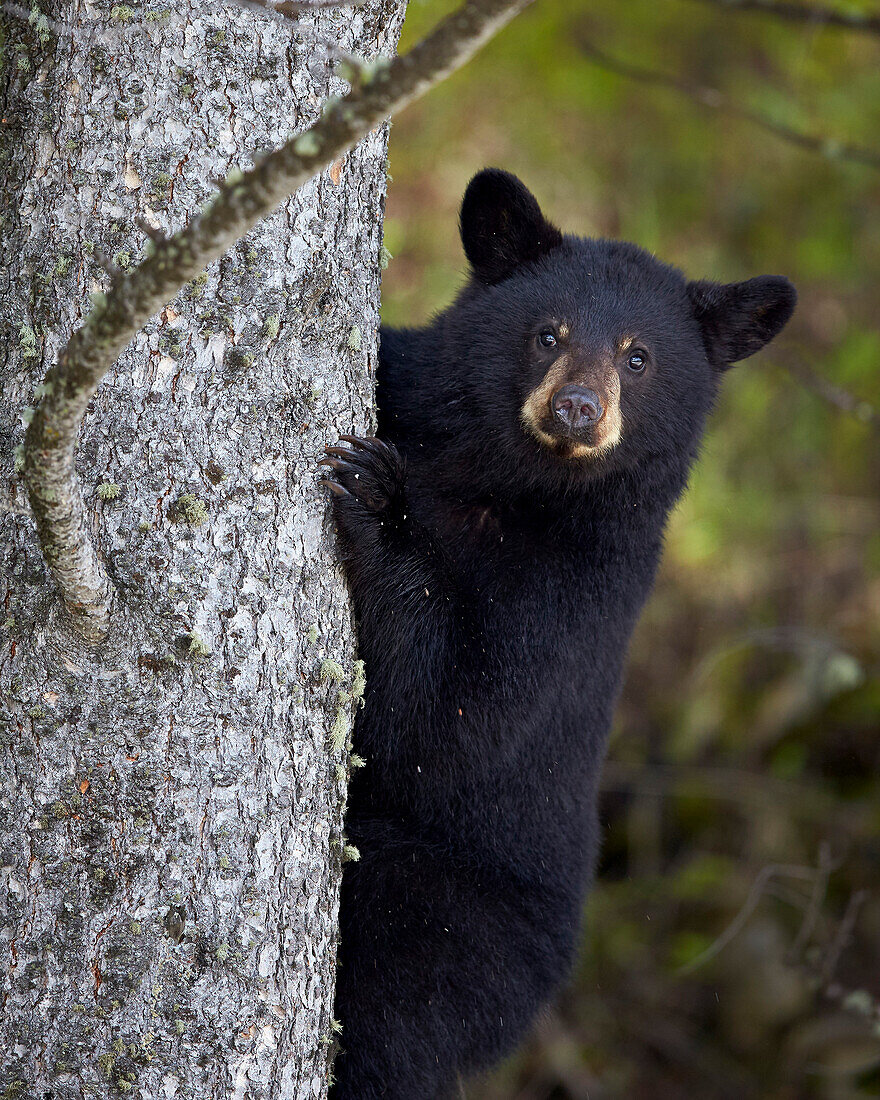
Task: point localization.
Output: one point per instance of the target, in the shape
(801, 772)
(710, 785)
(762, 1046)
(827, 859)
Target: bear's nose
(576, 407)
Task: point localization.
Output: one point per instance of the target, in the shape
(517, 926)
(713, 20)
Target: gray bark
(171, 802)
(137, 292)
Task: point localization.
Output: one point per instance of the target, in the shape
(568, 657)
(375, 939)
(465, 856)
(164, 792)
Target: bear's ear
(738, 319)
(502, 226)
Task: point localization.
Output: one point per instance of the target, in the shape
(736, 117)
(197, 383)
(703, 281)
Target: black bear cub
(500, 537)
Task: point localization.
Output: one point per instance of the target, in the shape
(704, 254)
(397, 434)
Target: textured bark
(171, 803)
(240, 201)
(818, 15)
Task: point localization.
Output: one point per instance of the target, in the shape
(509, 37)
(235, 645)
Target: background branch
(714, 100)
(748, 788)
(820, 964)
(242, 200)
(816, 14)
(758, 888)
(834, 395)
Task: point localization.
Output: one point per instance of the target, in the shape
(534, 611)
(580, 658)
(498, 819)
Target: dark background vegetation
(743, 782)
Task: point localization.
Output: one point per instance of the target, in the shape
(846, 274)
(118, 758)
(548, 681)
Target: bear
(500, 535)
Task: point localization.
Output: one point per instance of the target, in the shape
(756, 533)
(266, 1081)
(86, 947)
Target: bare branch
(841, 938)
(747, 788)
(817, 15)
(242, 200)
(819, 966)
(834, 395)
(148, 229)
(811, 914)
(350, 68)
(821, 970)
(714, 100)
(107, 265)
(759, 886)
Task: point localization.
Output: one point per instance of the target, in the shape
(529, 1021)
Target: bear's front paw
(369, 470)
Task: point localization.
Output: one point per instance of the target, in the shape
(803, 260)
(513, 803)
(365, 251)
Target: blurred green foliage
(748, 734)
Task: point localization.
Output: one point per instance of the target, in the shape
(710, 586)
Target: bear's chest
(495, 555)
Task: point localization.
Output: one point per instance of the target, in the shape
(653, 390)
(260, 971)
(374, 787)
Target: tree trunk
(172, 802)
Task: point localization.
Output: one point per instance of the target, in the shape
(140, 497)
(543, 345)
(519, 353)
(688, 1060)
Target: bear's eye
(547, 339)
(637, 361)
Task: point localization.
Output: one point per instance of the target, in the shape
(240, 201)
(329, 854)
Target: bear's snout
(576, 408)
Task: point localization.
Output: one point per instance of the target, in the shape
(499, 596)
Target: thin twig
(819, 967)
(834, 395)
(714, 100)
(807, 644)
(740, 786)
(242, 200)
(820, 970)
(817, 898)
(772, 870)
(787, 893)
(152, 231)
(816, 14)
(841, 938)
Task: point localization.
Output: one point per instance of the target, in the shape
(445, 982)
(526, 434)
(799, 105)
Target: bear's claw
(367, 469)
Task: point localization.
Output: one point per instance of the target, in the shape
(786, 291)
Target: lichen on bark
(171, 806)
(378, 88)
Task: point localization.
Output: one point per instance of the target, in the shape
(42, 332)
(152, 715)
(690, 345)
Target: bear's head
(583, 356)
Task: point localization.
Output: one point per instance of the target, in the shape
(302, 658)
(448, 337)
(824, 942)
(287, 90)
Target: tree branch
(819, 966)
(758, 888)
(817, 14)
(714, 100)
(242, 200)
(814, 909)
(748, 788)
(832, 394)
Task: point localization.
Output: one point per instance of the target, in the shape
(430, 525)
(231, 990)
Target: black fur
(495, 586)
(739, 319)
(502, 226)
